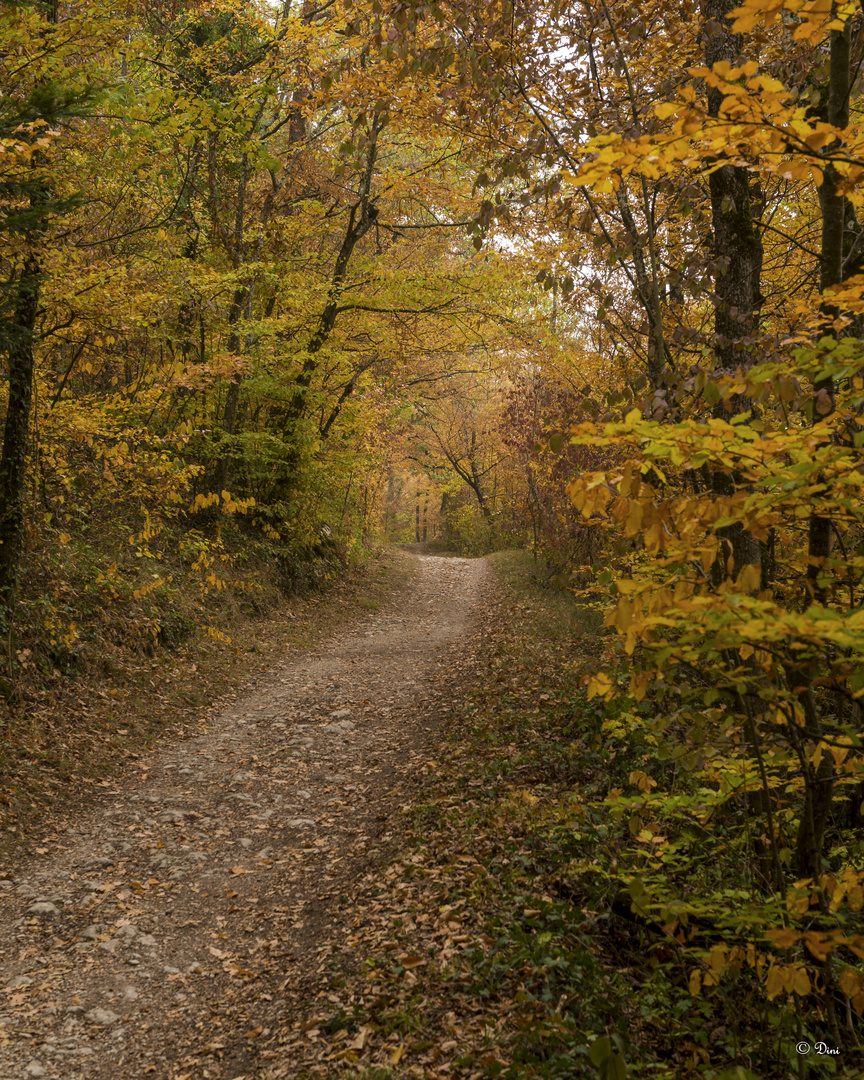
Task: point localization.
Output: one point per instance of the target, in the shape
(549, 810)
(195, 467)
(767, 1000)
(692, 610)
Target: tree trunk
(738, 253)
(737, 244)
(819, 780)
(833, 206)
(13, 461)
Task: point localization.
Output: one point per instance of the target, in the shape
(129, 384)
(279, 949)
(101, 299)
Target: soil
(162, 931)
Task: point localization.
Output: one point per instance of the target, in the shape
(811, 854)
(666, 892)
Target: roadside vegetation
(509, 936)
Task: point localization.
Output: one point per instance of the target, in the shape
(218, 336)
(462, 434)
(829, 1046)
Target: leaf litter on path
(169, 930)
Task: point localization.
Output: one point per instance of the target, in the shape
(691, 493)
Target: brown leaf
(410, 961)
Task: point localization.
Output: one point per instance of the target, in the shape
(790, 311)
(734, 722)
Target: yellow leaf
(800, 981)
(749, 579)
(783, 938)
(623, 615)
(840, 753)
(850, 982)
(818, 944)
(695, 981)
(600, 685)
(817, 139)
(642, 780)
(775, 983)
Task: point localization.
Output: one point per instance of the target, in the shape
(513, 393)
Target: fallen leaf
(359, 1041)
(410, 961)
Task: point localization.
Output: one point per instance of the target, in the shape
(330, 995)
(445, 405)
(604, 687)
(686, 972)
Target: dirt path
(154, 937)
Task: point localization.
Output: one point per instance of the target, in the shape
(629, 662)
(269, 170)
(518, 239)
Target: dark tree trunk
(222, 472)
(819, 781)
(737, 244)
(13, 461)
(833, 206)
(738, 255)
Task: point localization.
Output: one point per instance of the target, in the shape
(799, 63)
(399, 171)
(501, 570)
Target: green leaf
(607, 1059)
(601, 1051)
(615, 1068)
(711, 393)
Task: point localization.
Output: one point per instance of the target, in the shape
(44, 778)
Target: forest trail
(156, 935)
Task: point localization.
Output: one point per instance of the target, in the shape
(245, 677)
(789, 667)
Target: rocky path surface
(156, 935)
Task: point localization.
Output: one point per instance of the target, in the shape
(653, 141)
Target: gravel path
(154, 936)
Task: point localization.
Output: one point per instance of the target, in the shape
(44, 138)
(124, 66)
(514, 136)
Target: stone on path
(175, 815)
(103, 1017)
(43, 909)
(341, 727)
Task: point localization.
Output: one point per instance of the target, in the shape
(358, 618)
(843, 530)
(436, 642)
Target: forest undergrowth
(502, 941)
